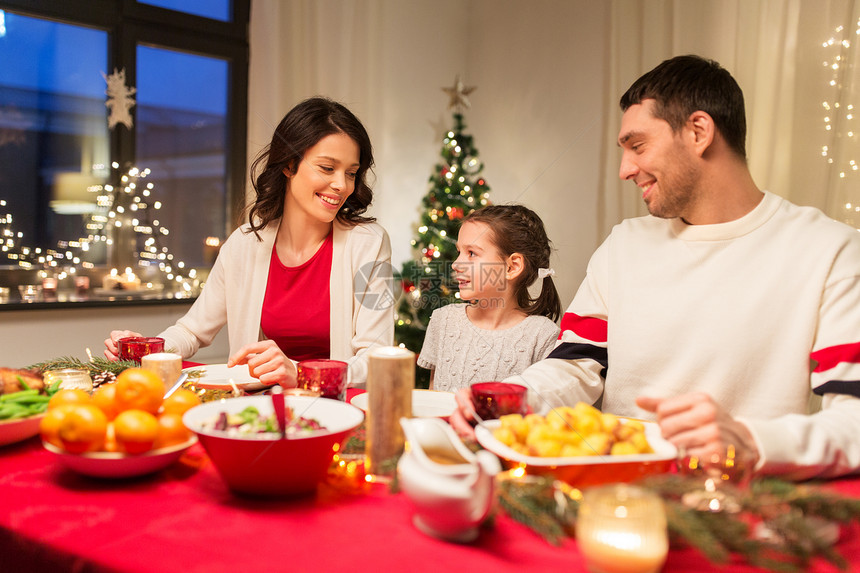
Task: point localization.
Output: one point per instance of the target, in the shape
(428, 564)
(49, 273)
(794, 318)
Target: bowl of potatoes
(579, 445)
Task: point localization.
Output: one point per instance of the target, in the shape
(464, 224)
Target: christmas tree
(456, 188)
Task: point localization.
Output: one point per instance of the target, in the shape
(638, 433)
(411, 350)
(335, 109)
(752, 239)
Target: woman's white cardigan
(361, 287)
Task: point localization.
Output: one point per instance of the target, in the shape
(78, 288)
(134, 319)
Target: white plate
(663, 450)
(118, 465)
(425, 403)
(12, 431)
(217, 377)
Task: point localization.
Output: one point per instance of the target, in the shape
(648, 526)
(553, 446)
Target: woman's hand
(267, 363)
(111, 351)
(463, 417)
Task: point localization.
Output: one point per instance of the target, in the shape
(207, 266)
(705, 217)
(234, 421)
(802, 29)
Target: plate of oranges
(123, 429)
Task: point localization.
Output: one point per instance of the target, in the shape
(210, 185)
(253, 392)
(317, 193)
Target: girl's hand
(463, 418)
(111, 351)
(267, 363)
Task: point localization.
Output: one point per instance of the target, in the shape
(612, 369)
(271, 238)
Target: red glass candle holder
(328, 377)
(494, 399)
(136, 347)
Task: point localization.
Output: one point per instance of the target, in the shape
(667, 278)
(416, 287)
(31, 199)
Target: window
(187, 61)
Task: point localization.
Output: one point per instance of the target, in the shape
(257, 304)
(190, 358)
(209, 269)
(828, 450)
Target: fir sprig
(791, 514)
(94, 366)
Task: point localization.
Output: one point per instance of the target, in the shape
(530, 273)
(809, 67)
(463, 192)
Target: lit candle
(622, 529)
(49, 285)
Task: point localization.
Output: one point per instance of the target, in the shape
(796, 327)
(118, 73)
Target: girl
(284, 282)
(502, 329)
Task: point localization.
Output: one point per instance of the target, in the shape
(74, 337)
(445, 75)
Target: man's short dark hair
(686, 84)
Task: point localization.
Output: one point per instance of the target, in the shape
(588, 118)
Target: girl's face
(324, 178)
(480, 268)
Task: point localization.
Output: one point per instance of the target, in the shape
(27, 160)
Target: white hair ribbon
(543, 273)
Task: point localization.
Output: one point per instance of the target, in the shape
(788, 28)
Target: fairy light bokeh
(839, 117)
(127, 204)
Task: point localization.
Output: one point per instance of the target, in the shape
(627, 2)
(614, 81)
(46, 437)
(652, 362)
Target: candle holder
(495, 399)
(70, 378)
(622, 529)
(723, 475)
(323, 376)
(134, 348)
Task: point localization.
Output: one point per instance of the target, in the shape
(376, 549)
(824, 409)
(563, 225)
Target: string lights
(126, 206)
(840, 117)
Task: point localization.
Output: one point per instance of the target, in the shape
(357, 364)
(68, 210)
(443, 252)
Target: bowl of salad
(244, 441)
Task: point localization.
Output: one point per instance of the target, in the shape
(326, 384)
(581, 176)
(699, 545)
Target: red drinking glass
(328, 377)
(495, 399)
(136, 347)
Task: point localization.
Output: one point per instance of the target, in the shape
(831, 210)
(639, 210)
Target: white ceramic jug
(451, 487)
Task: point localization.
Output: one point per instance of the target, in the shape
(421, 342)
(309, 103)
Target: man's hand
(700, 427)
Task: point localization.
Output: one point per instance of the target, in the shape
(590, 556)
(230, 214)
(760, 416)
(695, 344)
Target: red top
(296, 311)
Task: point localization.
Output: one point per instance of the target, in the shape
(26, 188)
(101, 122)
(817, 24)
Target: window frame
(129, 23)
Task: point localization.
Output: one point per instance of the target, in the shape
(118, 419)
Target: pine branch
(96, 366)
(530, 511)
(792, 513)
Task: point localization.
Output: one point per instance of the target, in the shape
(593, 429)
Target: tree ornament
(458, 95)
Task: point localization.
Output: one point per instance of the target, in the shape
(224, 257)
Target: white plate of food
(218, 376)
(425, 403)
(585, 470)
(119, 465)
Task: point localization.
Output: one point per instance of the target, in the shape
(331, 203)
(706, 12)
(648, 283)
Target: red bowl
(273, 465)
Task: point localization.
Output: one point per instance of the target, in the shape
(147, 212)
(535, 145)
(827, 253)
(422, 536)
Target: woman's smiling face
(324, 178)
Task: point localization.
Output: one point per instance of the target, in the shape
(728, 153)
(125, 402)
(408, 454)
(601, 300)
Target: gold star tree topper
(458, 94)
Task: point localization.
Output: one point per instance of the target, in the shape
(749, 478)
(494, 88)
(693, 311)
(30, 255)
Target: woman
(285, 283)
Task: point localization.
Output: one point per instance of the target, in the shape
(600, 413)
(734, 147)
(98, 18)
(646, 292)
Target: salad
(249, 423)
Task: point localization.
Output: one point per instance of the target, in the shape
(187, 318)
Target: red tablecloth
(184, 519)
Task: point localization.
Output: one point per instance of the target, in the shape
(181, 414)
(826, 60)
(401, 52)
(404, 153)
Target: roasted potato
(578, 431)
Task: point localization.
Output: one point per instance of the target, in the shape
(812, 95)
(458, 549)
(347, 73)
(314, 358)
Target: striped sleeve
(836, 370)
(582, 338)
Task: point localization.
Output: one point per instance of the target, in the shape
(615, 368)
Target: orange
(110, 439)
(82, 428)
(105, 398)
(171, 430)
(139, 389)
(135, 431)
(69, 396)
(49, 427)
(180, 402)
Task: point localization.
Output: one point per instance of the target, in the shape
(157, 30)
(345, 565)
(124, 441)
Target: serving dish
(12, 431)
(425, 403)
(583, 471)
(120, 465)
(271, 465)
(218, 376)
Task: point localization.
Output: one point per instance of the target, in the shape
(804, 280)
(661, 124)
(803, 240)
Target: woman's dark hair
(302, 128)
(518, 229)
(686, 84)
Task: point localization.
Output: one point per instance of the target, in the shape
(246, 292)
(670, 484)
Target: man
(720, 312)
